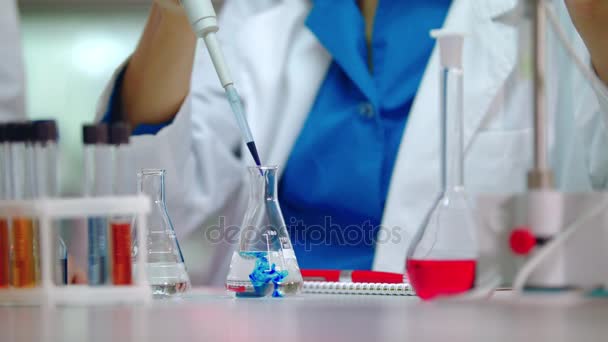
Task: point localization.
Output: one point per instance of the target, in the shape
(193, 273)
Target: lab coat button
(366, 110)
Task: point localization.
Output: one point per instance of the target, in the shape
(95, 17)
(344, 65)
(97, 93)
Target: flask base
(244, 289)
(433, 278)
(169, 290)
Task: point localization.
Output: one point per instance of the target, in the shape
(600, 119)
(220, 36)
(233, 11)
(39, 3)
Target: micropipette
(204, 23)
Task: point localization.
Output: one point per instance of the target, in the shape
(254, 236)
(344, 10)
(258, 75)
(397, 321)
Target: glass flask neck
(452, 141)
(263, 183)
(152, 184)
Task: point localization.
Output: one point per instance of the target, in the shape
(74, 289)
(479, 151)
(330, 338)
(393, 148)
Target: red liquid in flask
(432, 278)
(121, 253)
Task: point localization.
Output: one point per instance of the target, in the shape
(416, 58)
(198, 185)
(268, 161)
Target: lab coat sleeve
(590, 96)
(12, 83)
(584, 96)
(201, 148)
(598, 135)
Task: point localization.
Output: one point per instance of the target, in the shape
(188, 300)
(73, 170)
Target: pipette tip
(254, 153)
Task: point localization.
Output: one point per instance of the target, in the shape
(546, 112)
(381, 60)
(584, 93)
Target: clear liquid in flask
(165, 268)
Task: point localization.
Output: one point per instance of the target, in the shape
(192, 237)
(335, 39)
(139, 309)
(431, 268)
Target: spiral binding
(381, 289)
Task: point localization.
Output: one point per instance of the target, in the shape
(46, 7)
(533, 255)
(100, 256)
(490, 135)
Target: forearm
(157, 78)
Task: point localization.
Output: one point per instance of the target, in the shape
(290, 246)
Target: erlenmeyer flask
(265, 262)
(442, 261)
(165, 268)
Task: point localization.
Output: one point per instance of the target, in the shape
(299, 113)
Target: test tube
(120, 226)
(46, 153)
(23, 261)
(4, 195)
(97, 182)
(31, 191)
(46, 172)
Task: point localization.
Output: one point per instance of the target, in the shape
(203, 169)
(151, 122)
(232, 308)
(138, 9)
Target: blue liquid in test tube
(98, 247)
(97, 182)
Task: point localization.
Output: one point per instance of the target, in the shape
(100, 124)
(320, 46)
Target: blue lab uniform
(336, 181)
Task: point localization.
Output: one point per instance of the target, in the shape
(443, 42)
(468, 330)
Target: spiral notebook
(348, 288)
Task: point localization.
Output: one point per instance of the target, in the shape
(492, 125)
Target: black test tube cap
(3, 137)
(18, 132)
(30, 134)
(95, 134)
(45, 131)
(120, 133)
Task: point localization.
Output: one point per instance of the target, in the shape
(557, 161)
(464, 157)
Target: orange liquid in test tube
(4, 254)
(23, 263)
(121, 253)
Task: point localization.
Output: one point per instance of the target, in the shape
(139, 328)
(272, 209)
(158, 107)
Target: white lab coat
(279, 65)
(12, 85)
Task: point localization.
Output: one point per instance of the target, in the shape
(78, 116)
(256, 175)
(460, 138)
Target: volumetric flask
(165, 269)
(265, 262)
(442, 261)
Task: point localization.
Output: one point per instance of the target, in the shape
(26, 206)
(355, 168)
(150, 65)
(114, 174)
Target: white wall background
(70, 52)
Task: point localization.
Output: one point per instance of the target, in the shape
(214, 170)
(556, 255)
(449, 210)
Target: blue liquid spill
(263, 274)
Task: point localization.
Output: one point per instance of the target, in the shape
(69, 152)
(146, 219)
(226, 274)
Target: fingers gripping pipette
(204, 23)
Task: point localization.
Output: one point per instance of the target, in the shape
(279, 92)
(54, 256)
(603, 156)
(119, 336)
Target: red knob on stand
(522, 241)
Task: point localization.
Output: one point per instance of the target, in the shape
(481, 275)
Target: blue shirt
(336, 181)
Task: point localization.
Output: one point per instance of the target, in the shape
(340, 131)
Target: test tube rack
(45, 211)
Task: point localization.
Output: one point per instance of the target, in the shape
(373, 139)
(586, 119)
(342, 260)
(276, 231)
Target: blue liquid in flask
(257, 274)
(265, 263)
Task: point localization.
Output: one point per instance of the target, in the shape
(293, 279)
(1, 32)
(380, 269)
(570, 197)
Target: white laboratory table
(207, 315)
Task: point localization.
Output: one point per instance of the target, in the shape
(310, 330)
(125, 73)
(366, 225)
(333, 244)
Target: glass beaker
(442, 261)
(165, 269)
(265, 262)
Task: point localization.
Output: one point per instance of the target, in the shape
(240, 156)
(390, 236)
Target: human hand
(590, 17)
